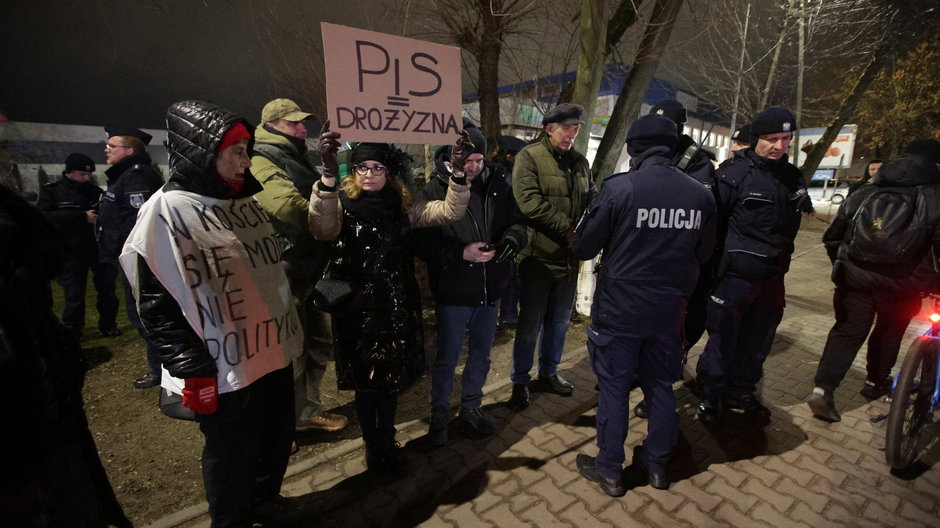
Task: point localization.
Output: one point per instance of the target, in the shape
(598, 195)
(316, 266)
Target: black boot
(710, 410)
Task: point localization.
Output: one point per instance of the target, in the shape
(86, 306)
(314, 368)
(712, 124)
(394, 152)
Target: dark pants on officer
(247, 447)
(742, 321)
(130, 305)
(74, 277)
(855, 311)
(653, 349)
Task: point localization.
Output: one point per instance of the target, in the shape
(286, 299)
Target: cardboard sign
(390, 89)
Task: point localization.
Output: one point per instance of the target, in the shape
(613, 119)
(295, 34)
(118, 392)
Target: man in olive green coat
(553, 185)
(280, 163)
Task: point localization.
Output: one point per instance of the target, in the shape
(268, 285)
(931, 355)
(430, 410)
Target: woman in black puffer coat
(379, 341)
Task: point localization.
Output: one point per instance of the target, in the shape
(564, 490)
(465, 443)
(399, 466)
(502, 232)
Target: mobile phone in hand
(488, 247)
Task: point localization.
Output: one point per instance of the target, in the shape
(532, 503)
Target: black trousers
(376, 413)
(247, 447)
(74, 278)
(855, 312)
(130, 305)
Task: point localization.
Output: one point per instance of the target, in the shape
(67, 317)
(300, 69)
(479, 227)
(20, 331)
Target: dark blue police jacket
(655, 225)
(131, 182)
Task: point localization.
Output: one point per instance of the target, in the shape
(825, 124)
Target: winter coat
(761, 202)
(288, 176)
(131, 182)
(52, 475)
(65, 202)
(888, 279)
(195, 130)
(378, 335)
(453, 280)
(655, 225)
(552, 189)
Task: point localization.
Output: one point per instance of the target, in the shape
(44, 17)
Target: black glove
(506, 250)
(461, 151)
(327, 147)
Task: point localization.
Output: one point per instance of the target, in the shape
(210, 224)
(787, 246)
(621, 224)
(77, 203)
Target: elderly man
(552, 184)
(71, 203)
(281, 164)
(132, 179)
(761, 197)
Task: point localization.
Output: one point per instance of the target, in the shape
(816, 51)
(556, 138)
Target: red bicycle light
(935, 317)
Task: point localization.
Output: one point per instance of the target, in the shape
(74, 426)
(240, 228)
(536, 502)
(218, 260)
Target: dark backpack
(890, 227)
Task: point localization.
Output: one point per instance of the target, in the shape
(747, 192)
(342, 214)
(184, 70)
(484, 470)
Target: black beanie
(928, 148)
(672, 109)
(772, 120)
(380, 152)
(479, 142)
(651, 131)
(742, 134)
(78, 162)
(441, 157)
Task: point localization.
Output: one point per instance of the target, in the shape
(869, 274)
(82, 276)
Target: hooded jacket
(207, 268)
(884, 279)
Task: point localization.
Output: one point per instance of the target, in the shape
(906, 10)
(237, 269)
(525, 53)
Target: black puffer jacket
(492, 216)
(887, 279)
(379, 339)
(195, 130)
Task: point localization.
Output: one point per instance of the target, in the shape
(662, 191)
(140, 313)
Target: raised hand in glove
(506, 250)
(327, 147)
(201, 395)
(459, 154)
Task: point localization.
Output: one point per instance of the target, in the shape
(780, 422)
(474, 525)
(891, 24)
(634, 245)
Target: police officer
(71, 203)
(761, 198)
(132, 178)
(654, 225)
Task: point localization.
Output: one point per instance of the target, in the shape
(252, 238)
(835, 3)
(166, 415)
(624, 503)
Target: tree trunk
(488, 79)
(637, 84)
(765, 95)
(593, 36)
(846, 110)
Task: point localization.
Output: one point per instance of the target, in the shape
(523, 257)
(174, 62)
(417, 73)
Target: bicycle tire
(910, 409)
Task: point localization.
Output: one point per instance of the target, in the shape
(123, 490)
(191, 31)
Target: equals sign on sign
(398, 101)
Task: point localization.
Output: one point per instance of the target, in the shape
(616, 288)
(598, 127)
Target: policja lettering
(669, 218)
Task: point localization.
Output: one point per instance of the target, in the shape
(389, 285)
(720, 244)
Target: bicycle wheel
(910, 410)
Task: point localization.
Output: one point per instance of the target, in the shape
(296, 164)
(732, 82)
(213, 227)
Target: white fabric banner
(221, 262)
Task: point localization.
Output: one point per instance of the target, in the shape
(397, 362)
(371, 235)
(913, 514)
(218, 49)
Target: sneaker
(147, 380)
(822, 403)
(437, 432)
(477, 419)
(111, 332)
(875, 389)
(327, 422)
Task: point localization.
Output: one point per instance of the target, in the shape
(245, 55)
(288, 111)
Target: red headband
(233, 135)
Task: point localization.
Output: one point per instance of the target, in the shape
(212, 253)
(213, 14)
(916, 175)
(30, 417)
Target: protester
(871, 169)
(218, 309)
(71, 203)
(655, 226)
(378, 334)
(880, 278)
(553, 185)
(132, 179)
(761, 198)
(281, 164)
(469, 270)
(51, 474)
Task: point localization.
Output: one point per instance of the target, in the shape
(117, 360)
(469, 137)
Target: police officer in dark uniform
(132, 178)
(655, 226)
(761, 198)
(71, 203)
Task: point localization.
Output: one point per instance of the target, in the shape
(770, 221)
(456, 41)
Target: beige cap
(282, 109)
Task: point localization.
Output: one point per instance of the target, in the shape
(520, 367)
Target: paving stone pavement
(796, 471)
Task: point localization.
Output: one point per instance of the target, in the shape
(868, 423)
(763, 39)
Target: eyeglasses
(112, 147)
(378, 170)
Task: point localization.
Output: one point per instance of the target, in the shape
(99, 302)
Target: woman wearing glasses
(379, 341)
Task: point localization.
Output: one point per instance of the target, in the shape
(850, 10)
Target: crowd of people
(252, 267)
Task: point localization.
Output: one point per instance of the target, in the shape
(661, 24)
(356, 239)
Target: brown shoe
(327, 422)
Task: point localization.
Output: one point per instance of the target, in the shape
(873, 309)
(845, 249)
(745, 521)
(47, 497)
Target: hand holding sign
(461, 151)
(328, 146)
